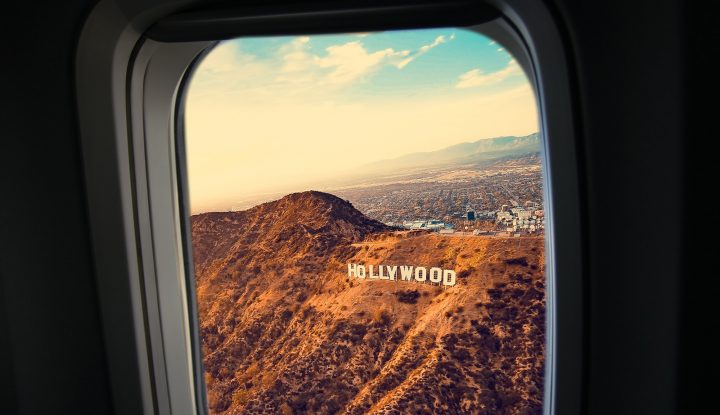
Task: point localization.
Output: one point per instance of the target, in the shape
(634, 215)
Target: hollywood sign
(409, 273)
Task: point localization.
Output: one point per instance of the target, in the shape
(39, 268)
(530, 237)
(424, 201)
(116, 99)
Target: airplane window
(367, 225)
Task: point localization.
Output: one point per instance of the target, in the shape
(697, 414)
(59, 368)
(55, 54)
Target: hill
(284, 330)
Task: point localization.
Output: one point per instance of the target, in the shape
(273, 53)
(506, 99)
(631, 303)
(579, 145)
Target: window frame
(130, 104)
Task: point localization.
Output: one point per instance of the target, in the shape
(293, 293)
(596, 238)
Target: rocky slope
(284, 330)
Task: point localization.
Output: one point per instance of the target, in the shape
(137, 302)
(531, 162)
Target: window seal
(226, 21)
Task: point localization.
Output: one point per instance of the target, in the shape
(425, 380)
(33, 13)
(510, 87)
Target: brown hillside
(284, 329)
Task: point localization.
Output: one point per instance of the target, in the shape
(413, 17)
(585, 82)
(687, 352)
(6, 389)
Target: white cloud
(438, 40)
(295, 56)
(346, 62)
(424, 49)
(227, 68)
(223, 58)
(229, 60)
(296, 69)
(351, 61)
(476, 77)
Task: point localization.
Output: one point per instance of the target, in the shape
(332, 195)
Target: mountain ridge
(479, 151)
(285, 226)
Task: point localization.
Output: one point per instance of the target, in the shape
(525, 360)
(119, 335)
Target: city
(504, 199)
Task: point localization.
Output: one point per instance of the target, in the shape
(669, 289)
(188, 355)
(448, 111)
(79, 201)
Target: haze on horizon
(281, 114)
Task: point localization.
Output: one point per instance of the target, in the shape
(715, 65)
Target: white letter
(392, 270)
(449, 277)
(406, 273)
(352, 270)
(361, 271)
(382, 277)
(435, 274)
(372, 276)
(418, 276)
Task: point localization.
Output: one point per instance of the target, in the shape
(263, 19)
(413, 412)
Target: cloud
(226, 68)
(351, 61)
(476, 77)
(221, 59)
(295, 56)
(226, 58)
(438, 40)
(345, 63)
(424, 49)
(298, 70)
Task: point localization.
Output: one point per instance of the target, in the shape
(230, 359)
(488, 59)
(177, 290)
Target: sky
(277, 114)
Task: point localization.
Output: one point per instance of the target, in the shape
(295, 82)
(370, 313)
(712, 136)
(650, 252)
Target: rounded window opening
(367, 224)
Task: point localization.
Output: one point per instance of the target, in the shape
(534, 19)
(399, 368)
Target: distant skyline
(266, 114)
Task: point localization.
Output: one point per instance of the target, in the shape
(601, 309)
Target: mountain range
(476, 152)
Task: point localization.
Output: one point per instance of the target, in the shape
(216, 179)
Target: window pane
(367, 228)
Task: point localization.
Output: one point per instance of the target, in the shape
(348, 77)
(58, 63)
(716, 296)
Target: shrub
(251, 371)
(408, 296)
(466, 272)
(517, 261)
(240, 397)
(286, 315)
(209, 380)
(381, 316)
(268, 380)
(285, 409)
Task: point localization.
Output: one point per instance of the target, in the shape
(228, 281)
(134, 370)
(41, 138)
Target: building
(432, 225)
(503, 216)
(471, 215)
(523, 214)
